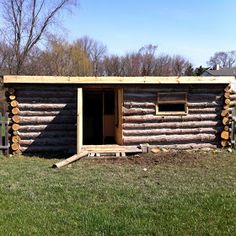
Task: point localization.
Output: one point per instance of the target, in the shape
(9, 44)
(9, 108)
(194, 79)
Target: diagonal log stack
(226, 114)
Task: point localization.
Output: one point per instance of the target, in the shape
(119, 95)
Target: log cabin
(65, 114)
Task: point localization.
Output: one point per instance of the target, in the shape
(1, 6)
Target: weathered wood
(41, 94)
(47, 119)
(48, 148)
(160, 139)
(15, 111)
(50, 127)
(48, 134)
(70, 160)
(227, 95)
(139, 104)
(153, 118)
(48, 141)
(225, 120)
(186, 146)
(232, 97)
(16, 119)
(226, 128)
(204, 110)
(211, 130)
(225, 113)
(11, 90)
(205, 104)
(47, 99)
(227, 101)
(14, 103)
(138, 111)
(71, 112)
(15, 127)
(45, 106)
(188, 124)
(225, 135)
(12, 97)
(15, 146)
(224, 143)
(15, 139)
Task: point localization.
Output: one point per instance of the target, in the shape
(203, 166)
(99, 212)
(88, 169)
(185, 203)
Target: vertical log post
(79, 120)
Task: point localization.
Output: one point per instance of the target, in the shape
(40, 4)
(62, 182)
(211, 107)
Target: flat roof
(21, 79)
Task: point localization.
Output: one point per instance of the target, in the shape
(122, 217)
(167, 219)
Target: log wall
(43, 118)
(201, 127)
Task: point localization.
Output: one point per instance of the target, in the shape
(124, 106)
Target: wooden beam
(17, 79)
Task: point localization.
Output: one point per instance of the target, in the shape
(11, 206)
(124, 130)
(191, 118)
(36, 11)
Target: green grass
(186, 197)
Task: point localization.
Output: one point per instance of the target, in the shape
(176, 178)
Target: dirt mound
(161, 158)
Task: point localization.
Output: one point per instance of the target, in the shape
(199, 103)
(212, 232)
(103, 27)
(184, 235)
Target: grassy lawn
(182, 193)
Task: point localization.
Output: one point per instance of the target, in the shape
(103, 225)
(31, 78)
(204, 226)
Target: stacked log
(43, 119)
(229, 106)
(14, 111)
(200, 127)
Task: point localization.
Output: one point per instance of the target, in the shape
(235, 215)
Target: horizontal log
(232, 97)
(44, 127)
(12, 97)
(15, 139)
(52, 99)
(177, 118)
(187, 146)
(71, 112)
(204, 110)
(224, 135)
(15, 127)
(47, 119)
(14, 103)
(11, 90)
(48, 141)
(46, 93)
(15, 146)
(211, 130)
(15, 111)
(188, 124)
(205, 104)
(138, 111)
(48, 148)
(160, 139)
(45, 106)
(139, 104)
(224, 143)
(48, 134)
(16, 119)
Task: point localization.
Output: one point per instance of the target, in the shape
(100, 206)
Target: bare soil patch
(162, 158)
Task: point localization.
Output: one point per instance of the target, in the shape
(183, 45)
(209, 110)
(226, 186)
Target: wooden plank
(70, 160)
(119, 116)
(8, 79)
(79, 119)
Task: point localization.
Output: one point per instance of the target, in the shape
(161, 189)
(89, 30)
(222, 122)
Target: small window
(171, 104)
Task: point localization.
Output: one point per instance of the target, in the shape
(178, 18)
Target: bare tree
(223, 59)
(26, 22)
(95, 50)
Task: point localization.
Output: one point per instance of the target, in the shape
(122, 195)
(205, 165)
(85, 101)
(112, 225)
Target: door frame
(118, 114)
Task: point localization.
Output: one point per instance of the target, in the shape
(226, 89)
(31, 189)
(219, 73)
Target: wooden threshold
(97, 150)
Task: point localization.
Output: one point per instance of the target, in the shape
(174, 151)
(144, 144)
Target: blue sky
(193, 28)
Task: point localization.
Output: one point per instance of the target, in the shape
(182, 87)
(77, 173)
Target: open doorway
(98, 116)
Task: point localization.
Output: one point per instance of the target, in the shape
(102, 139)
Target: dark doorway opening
(98, 117)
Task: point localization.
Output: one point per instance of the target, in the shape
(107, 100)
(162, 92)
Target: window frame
(182, 101)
